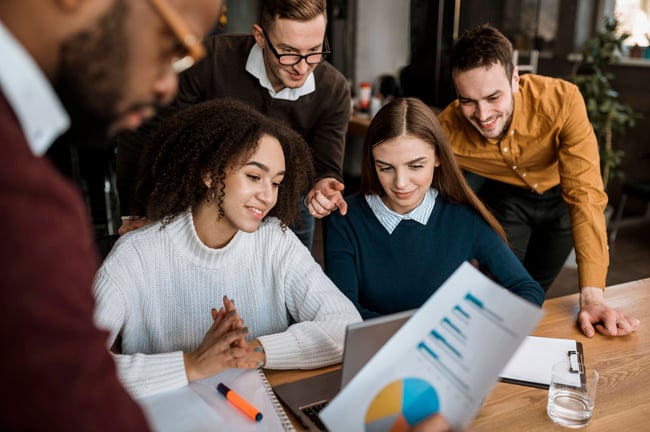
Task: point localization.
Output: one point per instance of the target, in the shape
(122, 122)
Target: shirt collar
(39, 110)
(390, 219)
(255, 66)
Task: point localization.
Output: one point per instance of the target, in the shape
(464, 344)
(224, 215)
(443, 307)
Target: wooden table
(623, 397)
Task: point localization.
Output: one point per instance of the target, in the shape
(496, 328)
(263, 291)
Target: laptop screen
(364, 339)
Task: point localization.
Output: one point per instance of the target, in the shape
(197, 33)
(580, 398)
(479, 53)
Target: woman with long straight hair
(414, 220)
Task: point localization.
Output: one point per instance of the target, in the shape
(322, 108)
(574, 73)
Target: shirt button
(512, 132)
(523, 174)
(535, 186)
(505, 149)
(514, 167)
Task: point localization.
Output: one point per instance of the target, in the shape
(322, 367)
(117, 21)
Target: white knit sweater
(157, 286)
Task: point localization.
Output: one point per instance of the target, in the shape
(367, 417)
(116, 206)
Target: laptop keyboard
(312, 412)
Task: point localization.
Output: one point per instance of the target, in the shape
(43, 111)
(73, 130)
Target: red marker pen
(240, 402)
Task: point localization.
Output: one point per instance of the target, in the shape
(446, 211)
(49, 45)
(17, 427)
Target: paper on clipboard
(445, 359)
(532, 362)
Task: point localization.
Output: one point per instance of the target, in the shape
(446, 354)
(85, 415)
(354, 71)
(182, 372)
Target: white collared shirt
(39, 110)
(255, 66)
(390, 219)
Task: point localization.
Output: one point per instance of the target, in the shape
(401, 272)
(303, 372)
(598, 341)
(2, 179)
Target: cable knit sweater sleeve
(155, 290)
(320, 311)
(141, 374)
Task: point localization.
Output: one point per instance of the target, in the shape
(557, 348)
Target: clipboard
(531, 364)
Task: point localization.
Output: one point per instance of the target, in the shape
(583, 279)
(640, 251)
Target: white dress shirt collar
(255, 66)
(40, 113)
(390, 219)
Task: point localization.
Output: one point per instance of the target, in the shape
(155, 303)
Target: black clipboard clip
(576, 364)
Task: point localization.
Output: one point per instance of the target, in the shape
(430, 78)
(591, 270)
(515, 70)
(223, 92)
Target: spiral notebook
(199, 407)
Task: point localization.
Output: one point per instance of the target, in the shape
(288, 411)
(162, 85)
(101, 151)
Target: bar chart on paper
(445, 354)
(444, 359)
(446, 349)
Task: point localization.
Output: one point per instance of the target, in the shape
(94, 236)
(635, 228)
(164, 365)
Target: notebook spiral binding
(277, 406)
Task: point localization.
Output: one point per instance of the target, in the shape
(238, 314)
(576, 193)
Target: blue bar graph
(458, 310)
(454, 329)
(446, 344)
(434, 358)
(479, 305)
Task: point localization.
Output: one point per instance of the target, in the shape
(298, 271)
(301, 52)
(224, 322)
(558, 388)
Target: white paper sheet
(531, 364)
(445, 359)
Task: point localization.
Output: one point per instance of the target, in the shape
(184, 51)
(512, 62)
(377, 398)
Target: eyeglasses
(189, 42)
(294, 59)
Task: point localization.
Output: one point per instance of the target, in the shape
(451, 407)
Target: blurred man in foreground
(88, 67)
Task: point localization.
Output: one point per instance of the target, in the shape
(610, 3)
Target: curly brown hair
(207, 140)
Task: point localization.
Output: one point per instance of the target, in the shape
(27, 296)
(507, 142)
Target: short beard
(508, 122)
(91, 76)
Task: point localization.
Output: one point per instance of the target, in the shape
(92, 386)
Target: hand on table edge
(595, 315)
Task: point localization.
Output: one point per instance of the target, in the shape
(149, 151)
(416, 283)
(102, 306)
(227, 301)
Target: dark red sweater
(57, 372)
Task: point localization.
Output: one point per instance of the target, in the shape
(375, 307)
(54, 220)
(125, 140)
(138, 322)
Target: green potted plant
(606, 112)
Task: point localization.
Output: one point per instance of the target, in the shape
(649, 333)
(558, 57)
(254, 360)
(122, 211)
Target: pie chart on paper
(400, 405)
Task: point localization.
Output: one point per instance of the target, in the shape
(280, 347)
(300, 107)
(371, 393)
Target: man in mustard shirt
(529, 150)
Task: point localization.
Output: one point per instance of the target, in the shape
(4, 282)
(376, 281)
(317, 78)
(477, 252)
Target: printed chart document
(445, 359)
(199, 407)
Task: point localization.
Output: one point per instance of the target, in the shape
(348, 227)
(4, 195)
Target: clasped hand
(224, 346)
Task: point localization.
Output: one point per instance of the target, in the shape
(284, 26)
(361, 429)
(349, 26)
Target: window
(634, 18)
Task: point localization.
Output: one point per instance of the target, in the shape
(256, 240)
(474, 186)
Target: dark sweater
(320, 117)
(57, 371)
(385, 273)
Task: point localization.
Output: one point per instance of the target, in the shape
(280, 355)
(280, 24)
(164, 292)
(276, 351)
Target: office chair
(531, 66)
(637, 189)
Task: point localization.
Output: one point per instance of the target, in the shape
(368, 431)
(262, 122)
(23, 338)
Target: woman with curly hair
(414, 221)
(223, 183)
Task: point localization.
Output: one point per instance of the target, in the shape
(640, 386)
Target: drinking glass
(572, 394)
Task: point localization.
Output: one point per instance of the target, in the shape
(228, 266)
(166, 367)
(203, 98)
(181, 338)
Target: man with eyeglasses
(280, 71)
(86, 67)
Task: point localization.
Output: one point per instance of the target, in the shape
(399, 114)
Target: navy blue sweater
(384, 273)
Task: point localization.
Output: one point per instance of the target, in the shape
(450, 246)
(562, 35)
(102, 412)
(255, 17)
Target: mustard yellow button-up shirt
(550, 142)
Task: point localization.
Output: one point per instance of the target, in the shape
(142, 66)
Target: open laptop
(306, 398)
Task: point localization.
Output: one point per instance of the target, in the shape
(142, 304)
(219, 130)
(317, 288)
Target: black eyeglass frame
(323, 54)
